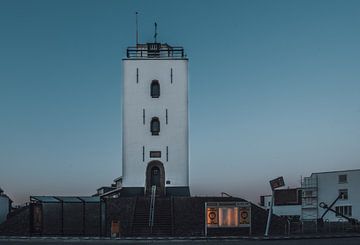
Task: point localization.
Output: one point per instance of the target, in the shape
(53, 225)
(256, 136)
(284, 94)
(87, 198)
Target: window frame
(155, 154)
(345, 210)
(342, 178)
(155, 89)
(345, 193)
(153, 129)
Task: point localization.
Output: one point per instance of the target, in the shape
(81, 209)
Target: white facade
(267, 202)
(282, 210)
(171, 108)
(326, 187)
(5, 205)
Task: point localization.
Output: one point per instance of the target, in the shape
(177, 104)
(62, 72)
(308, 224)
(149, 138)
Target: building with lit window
(154, 154)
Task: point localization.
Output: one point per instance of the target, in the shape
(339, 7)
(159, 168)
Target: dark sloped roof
(44, 199)
(66, 199)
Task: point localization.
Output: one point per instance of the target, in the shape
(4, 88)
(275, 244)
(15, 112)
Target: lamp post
(275, 183)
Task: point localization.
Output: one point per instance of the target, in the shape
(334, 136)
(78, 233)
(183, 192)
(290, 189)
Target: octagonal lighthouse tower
(155, 121)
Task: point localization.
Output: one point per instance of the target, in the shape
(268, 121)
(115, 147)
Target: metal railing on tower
(152, 207)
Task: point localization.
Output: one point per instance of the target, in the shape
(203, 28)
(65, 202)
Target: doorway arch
(155, 175)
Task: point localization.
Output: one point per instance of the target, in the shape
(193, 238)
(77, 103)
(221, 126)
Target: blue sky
(274, 90)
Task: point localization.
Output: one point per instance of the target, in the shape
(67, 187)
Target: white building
(326, 187)
(155, 120)
(5, 206)
(287, 202)
(339, 188)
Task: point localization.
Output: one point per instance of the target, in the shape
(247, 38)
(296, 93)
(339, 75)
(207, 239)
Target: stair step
(162, 217)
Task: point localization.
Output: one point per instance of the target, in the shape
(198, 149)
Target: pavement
(330, 239)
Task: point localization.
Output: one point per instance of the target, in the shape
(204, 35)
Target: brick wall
(122, 210)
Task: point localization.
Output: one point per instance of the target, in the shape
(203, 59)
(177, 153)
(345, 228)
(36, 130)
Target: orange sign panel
(212, 216)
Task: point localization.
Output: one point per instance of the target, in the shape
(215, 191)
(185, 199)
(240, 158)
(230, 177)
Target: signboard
(276, 183)
(212, 216)
(245, 218)
(115, 228)
(228, 214)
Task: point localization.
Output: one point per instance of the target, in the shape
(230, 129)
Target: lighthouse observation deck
(155, 51)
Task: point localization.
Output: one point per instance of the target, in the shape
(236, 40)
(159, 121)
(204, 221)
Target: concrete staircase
(162, 218)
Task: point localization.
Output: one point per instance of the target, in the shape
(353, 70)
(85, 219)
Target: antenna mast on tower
(155, 35)
(137, 28)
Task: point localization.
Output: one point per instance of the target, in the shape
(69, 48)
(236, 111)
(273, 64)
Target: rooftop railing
(154, 51)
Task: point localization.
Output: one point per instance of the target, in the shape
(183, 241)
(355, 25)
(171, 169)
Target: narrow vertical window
(137, 75)
(171, 75)
(143, 153)
(155, 126)
(155, 89)
(167, 153)
(144, 116)
(166, 115)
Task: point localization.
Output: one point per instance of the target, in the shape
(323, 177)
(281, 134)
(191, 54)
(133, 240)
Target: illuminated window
(155, 126)
(155, 89)
(228, 217)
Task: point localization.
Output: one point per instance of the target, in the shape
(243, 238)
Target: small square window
(342, 178)
(155, 154)
(343, 194)
(308, 201)
(308, 193)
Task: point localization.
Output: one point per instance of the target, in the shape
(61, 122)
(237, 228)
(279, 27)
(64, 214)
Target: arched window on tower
(155, 89)
(155, 126)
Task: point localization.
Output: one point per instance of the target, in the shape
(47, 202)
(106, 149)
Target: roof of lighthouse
(155, 51)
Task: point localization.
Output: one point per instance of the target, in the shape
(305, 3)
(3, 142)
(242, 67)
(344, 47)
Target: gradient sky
(274, 90)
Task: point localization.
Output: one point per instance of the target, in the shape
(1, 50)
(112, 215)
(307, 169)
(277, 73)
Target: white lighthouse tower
(155, 120)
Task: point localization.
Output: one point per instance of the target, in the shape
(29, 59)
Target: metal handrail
(152, 207)
(225, 194)
(289, 226)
